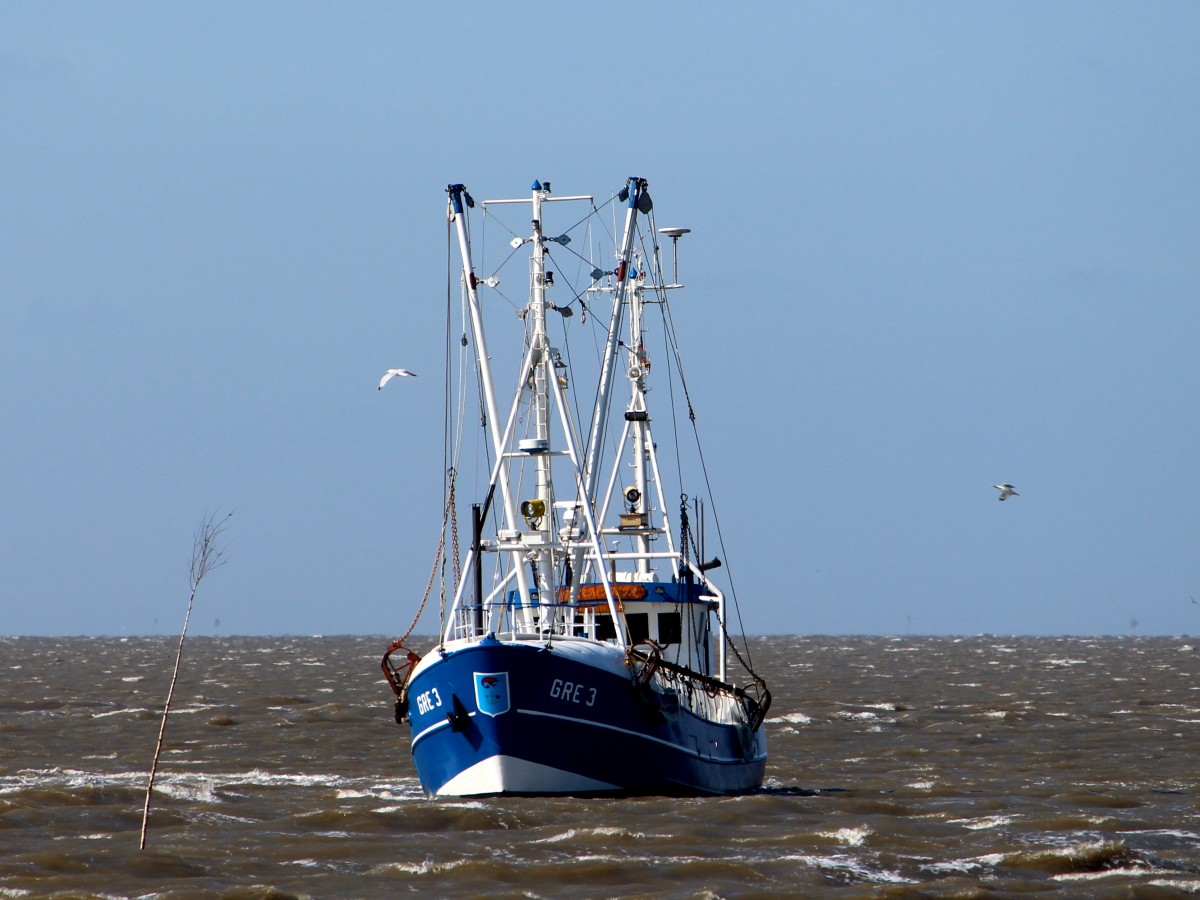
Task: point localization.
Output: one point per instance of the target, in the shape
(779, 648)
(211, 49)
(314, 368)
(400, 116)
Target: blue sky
(935, 246)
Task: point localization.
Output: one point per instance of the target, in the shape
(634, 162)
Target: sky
(934, 247)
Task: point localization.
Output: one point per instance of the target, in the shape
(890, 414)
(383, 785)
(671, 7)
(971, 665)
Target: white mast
(534, 549)
(637, 498)
(457, 193)
(639, 197)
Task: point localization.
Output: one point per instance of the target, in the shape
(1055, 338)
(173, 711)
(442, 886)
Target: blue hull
(493, 717)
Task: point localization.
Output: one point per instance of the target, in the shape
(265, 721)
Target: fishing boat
(585, 644)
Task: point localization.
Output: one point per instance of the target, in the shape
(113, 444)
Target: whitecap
(573, 833)
(983, 823)
(191, 709)
(1128, 871)
(848, 865)
(1166, 832)
(371, 793)
(203, 792)
(851, 837)
(797, 718)
(463, 804)
(132, 711)
(427, 867)
(951, 867)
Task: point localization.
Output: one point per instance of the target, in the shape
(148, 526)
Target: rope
(437, 559)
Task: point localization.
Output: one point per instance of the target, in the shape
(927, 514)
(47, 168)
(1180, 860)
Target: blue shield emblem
(491, 692)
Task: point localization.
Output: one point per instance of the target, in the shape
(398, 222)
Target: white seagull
(392, 373)
(1006, 491)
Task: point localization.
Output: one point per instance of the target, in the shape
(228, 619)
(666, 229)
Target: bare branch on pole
(206, 556)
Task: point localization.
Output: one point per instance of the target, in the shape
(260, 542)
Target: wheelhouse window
(639, 626)
(670, 629)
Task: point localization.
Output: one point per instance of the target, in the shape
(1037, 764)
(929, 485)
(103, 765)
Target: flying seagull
(392, 373)
(1006, 491)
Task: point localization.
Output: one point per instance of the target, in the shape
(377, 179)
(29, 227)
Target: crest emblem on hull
(491, 693)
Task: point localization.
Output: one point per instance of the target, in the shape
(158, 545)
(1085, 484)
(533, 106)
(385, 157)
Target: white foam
(427, 867)
(133, 711)
(797, 718)
(1166, 832)
(202, 791)
(849, 865)
(951, 867)
(851, 837)
(984, 823)
(572, 833)
(1102, 874)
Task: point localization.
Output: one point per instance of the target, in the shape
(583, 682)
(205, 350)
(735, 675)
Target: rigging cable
(669, 329)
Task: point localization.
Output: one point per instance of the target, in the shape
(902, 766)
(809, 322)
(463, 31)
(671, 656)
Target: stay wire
(669, 329)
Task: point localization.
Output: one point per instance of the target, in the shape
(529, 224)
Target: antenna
(675, 234)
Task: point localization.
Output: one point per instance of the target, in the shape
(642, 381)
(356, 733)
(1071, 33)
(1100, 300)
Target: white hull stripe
(419, 736)
(497, 774)
(690, 751)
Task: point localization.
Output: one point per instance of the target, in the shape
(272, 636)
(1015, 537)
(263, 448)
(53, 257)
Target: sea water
(900, 766)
